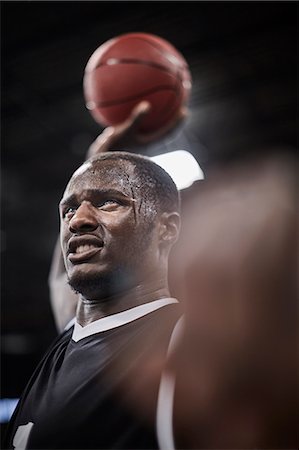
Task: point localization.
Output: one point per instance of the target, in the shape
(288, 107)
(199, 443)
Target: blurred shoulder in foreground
(236, 273)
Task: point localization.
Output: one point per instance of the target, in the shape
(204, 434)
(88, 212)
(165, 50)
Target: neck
(90, 310)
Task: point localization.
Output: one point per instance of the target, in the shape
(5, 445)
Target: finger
(138, 112)
(102, 142)
(127, 129)
(141, 108)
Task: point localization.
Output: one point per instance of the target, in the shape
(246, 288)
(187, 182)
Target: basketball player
(119, 219)
(125, 135)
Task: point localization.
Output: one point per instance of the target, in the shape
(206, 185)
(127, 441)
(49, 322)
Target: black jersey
(94, 388)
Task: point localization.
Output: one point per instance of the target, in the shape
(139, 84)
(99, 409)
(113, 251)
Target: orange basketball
(133, 67)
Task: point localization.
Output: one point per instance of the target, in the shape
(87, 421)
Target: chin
(93, 286)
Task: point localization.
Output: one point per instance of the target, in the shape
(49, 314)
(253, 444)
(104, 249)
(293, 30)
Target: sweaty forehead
(104, 174)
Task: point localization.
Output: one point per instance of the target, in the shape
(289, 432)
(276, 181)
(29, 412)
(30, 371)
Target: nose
(84, 219)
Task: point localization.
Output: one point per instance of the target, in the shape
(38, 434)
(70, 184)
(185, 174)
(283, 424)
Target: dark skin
(125, 135)
(112, 257)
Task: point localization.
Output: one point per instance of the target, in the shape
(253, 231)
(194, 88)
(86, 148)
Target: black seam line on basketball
(137, 61)
(163, 52)
(167, 110)
(128, 99)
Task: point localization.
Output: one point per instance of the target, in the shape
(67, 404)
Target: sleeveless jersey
(97, 386)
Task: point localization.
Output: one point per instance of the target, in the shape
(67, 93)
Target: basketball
(133, 67)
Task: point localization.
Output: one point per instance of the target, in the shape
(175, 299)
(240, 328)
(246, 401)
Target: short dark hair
(156, 185)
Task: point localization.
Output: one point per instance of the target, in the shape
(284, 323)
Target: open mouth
(81, 249)
(83, 253)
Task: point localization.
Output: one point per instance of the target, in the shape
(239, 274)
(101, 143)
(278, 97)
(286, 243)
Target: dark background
(243, 60)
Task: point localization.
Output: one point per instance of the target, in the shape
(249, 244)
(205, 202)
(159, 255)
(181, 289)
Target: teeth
(84, 248)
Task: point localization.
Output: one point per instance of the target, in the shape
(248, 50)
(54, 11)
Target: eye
(109, 204)
(68, 212)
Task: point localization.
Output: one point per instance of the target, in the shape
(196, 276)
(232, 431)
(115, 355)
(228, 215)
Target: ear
(169, 229)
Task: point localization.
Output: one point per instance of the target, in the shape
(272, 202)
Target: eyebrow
(71, 199)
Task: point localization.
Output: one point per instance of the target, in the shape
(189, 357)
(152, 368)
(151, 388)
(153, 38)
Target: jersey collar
(119, 319)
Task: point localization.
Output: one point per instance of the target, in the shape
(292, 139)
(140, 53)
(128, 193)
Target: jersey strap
(164, 413)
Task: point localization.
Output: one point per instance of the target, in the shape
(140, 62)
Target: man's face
(104, 236)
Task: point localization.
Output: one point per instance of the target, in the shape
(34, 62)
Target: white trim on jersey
(21, 436)
(164, 415)
(119, 319)
(70, 324)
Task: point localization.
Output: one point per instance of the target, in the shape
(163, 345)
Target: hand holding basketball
(126, 133)
(120, 135)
